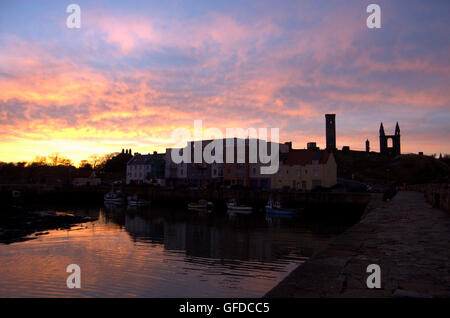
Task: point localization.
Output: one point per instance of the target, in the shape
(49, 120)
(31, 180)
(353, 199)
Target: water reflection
(162, 253)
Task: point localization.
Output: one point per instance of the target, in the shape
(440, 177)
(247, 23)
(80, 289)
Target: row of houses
(299, 169)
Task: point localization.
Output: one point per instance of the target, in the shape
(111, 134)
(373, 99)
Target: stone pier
(407, 238)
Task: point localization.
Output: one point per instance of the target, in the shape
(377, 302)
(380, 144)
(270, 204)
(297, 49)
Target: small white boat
(137, 201)
(201, 205)
(233, 207)
(114, 197)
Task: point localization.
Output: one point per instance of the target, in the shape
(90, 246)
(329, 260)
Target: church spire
(397, 129)
(381, 130)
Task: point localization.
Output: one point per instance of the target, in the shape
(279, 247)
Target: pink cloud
(238, 80)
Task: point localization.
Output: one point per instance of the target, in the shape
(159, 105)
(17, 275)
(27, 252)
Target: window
(298, 172)
(390, 143)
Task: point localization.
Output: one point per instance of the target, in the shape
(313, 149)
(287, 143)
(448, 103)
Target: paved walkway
(408, 238)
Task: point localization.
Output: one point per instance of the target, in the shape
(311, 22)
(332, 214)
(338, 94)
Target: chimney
(312, 146)
(289, 144)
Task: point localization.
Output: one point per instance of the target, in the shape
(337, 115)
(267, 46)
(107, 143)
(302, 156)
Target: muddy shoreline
(18, 223)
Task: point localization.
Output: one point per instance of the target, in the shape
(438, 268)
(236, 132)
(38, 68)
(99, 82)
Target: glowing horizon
(134, 72)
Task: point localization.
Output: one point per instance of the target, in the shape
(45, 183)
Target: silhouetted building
(385, 149)
(367, 145)
(330, 125)
(312, 146)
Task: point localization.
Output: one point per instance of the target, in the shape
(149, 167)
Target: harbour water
(161, 253)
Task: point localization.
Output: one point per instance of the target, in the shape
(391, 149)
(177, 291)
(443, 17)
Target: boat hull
(114, 200)
(240, 209)
(197, 207)
(276, 211)
(138, 203)
(202, 205)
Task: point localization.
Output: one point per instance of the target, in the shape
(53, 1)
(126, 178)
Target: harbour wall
(406, 238)
(438, 195)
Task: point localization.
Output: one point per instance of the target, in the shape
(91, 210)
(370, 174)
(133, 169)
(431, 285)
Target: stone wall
(438, 195)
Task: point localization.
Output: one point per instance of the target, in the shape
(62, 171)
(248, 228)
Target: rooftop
(305, 157)
(139, 159)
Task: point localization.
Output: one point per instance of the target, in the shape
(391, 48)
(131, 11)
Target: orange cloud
(116, 91)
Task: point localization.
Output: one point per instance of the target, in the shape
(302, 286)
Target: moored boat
(137, 201)
(201, 205)
(233, 207)
(113, 197)
(274, 208)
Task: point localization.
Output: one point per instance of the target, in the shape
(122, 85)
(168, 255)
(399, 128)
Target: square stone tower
(330, 125)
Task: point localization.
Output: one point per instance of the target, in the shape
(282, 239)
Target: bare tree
(39, 161)
(55, 159)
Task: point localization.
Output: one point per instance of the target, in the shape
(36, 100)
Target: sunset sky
(136, 70)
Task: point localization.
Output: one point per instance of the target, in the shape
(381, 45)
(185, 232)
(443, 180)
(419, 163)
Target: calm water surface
(161, 253)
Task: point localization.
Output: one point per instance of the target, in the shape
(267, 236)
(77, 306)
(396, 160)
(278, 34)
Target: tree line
(57, 166)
